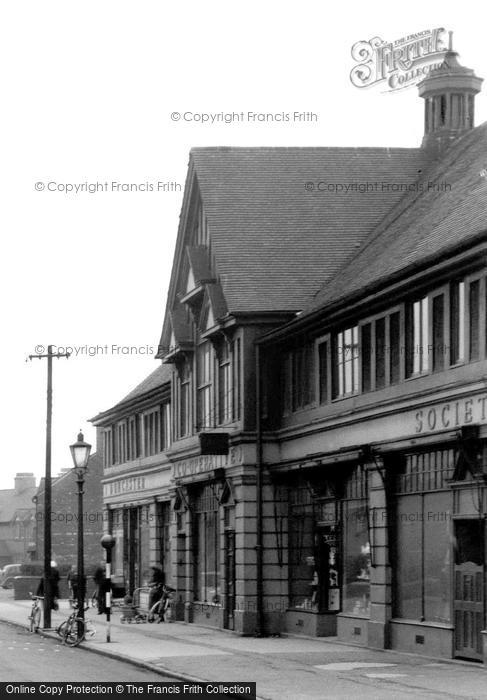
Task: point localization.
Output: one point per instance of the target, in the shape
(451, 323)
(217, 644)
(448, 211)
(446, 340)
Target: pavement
(285, 667)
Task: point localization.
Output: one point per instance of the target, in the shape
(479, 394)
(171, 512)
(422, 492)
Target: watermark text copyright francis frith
(104, 349)
(102, 186)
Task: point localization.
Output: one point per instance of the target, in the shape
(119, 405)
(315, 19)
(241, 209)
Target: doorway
(469, 588)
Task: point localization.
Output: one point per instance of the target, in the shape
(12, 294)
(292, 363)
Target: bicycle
(35, 613)
(161, 611)
(75, 629)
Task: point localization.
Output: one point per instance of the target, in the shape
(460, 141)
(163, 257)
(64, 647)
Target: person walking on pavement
(101, 585)
(53, 584)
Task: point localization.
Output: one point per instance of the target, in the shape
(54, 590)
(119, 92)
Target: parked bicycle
(35, 613)
(75, 629)
(161, 611)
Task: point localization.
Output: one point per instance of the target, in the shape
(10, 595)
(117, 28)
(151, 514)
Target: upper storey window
(346, 362)
(201, 234)
(432, 332)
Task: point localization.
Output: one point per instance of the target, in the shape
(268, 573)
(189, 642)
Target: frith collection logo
(399, 64)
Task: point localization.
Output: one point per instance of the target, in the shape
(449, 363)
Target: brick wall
(65, 516)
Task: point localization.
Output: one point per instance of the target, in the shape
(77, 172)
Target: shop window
(164, 538)
(356, 546)
(206, 549)
(422, 582)
(204, 359)
(144, 518)
(346, 363)
(302, 565)
(313, 549)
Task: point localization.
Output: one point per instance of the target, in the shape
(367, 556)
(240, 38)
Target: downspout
(259, 631)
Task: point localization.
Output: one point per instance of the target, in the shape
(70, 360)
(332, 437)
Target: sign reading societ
(451, 414)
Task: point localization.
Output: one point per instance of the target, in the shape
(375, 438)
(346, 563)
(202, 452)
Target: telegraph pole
(47, 484)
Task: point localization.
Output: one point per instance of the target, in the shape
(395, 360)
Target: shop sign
(129, 485)
(451, 415)
(207, 463)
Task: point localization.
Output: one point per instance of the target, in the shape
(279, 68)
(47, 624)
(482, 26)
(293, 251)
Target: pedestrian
(101, 585)
(53, 585)
(74, 583)
(156, 584)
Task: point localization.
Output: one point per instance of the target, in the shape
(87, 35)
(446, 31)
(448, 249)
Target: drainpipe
(259, 632)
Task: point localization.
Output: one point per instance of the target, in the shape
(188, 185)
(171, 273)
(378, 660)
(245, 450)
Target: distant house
(64, 516)
(17, 513)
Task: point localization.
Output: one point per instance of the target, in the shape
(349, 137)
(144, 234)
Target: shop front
(438, 550)
(328, 533)
(385, 544)
(204, 500)
(139, 518)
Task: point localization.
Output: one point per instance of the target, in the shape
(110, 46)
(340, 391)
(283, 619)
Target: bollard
(108, 542)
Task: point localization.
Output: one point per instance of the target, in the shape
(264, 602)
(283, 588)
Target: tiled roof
(217, 300)
(275, 242)
(424, 224)
(156, 379)
(198, 258)
(12, 501)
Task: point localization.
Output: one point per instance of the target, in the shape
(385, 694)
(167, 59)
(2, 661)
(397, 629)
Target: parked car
(8, 574)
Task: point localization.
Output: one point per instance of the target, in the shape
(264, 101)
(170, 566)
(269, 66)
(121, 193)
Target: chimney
(449, 94)
(24, 480)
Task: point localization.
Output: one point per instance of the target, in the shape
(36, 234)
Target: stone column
(380, 572)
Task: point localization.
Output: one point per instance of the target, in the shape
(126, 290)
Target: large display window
(422, 524)
(206, 549)
(356, 545)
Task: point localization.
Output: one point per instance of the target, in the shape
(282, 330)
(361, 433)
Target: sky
(90, 90)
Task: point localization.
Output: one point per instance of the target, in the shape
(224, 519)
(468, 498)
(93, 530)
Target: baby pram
(135, 608)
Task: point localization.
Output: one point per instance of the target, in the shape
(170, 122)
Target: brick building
(17, 519)
(64, 516)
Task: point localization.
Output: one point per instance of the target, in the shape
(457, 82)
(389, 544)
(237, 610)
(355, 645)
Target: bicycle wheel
(74, 631)
(61, 629)
(35, 620)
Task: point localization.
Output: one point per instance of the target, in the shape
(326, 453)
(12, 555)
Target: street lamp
(80, 451)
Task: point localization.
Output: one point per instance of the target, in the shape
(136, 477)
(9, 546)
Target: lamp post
(108, 542)
(80, 451)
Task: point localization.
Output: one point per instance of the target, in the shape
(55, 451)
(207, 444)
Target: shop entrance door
(469, 588)
(229, 580)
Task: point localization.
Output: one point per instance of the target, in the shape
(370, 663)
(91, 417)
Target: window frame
(336, 365)
(372, 320)
(319, 342)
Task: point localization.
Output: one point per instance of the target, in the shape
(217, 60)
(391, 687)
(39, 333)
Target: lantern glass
(80, 452)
